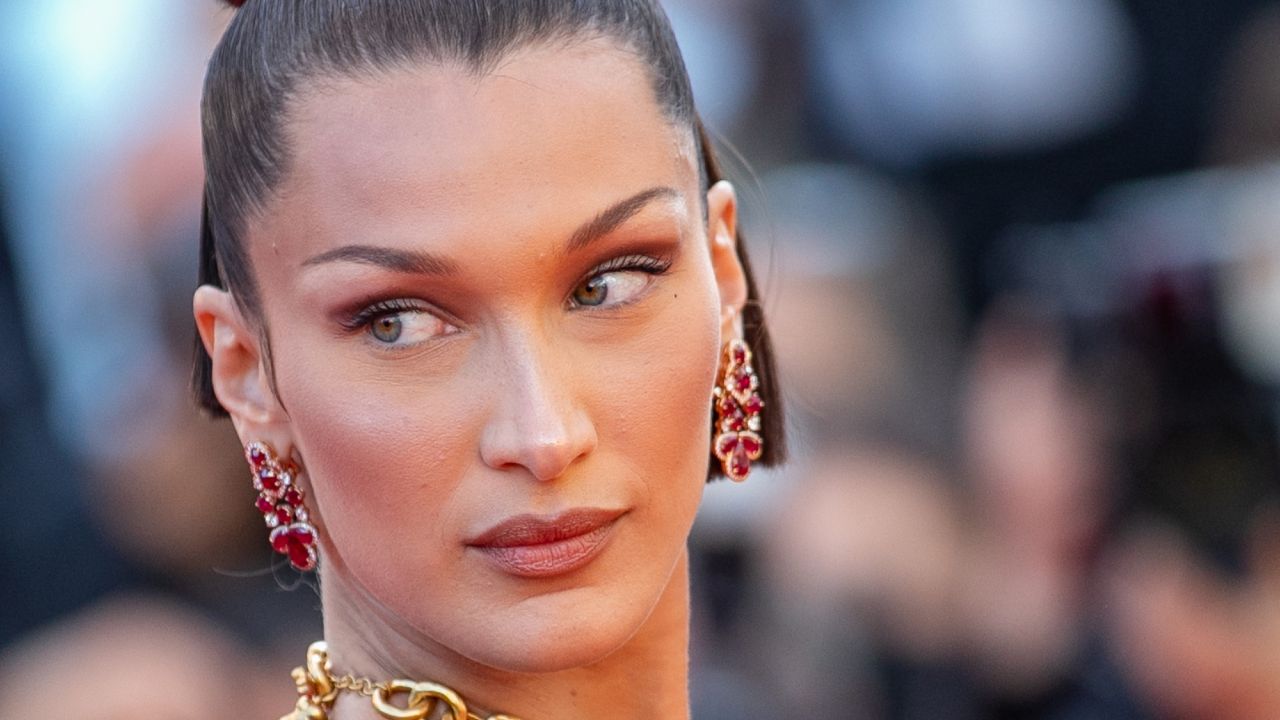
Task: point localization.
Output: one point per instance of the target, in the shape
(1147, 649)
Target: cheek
(397, 473)
(385, 462)
(656, 413)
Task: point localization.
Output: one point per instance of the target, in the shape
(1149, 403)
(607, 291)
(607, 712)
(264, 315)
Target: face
(495, 307)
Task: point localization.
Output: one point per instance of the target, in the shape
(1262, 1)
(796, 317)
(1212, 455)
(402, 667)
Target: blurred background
(1022, 258)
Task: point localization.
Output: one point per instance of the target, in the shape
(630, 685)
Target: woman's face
(496, 299)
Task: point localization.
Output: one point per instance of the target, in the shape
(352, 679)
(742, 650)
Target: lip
(545, 546)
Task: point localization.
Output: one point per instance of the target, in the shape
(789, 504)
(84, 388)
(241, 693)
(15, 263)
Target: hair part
(273, 50)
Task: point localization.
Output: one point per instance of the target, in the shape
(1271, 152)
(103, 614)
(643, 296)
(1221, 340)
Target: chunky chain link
(318, 688)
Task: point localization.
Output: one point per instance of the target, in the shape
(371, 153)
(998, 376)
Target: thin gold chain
(362, 685)
(366, 687)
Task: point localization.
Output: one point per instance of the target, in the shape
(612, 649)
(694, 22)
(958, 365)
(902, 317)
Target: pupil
(593, 291)
(387, 329)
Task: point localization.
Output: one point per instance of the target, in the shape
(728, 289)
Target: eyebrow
(424, 263)
(610, 218)
(404, 261)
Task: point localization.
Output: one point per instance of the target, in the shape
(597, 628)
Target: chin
(559, 632)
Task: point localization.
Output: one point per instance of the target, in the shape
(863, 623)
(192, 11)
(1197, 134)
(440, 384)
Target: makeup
(537, 546)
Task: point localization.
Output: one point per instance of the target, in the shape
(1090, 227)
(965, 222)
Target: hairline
(312, 83)
(373, 71)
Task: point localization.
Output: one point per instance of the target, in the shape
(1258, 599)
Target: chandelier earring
(281, 501)
(736, 438)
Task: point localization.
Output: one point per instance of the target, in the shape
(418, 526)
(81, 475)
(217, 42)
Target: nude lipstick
(539, 546)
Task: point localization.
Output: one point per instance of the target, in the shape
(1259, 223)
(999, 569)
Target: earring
(737, 441)
(280, 500)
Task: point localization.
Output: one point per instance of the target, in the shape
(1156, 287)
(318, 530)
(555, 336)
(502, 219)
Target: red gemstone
(302, 557)
(742, 381)
(739, 354)
(725, 444)
(284, 513)
(754, 405)
(726, 405)
(750, 442)
(264, 504)
(303, 533)
(739, 463)
(293, 496)
(270, 481)
(280, 539)
(731, 416)
(257, 456)
(297, 542)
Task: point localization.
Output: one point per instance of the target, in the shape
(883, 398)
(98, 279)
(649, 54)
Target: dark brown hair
(272, 48)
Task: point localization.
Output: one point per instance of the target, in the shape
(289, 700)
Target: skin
(511, 396)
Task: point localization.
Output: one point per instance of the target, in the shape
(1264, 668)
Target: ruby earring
(281, 502)
(737, 440)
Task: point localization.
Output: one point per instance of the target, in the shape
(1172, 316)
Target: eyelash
(369, 313)
(362, 319)
(640, 263)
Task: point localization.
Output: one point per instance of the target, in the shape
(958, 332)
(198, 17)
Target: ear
(722, 241)
(240, 378)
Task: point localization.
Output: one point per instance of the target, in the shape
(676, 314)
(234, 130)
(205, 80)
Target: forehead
(438, 151)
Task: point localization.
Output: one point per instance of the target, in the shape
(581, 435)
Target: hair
(272, 49)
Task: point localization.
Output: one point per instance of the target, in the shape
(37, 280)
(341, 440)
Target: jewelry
(318, 688)
(280, 500)
(738, 407)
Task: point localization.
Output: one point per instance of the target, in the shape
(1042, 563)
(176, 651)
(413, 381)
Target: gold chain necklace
(318, 688)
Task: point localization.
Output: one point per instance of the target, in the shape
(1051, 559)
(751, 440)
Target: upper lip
(529, 529)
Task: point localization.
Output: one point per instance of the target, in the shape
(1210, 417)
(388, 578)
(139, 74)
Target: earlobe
(240, 379)
(722, 241)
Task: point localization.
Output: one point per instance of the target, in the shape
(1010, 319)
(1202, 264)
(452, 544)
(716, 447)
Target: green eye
(387, 328)
(398, 324)
(592, 292)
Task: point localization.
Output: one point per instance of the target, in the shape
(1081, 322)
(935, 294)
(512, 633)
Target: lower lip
(549, 559)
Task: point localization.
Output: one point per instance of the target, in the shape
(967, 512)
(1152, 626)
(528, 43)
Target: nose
(536, 421)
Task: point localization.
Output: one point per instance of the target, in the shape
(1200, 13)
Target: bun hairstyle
(272, 49)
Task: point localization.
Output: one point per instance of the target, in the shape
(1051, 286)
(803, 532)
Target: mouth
(538, 546)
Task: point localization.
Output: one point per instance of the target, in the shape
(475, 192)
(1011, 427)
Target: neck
(645, 678)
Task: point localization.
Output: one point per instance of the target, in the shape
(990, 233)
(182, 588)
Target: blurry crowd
(1022, 263)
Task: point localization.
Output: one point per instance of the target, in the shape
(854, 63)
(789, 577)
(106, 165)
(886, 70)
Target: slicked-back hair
(273, 51)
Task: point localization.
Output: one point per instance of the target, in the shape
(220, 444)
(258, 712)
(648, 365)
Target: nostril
(536, 420)
(550, 458)
(546, 449)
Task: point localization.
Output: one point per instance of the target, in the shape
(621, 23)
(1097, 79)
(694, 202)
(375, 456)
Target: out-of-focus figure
(1024, 266)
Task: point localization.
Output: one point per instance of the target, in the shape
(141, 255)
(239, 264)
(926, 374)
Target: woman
(473, 297)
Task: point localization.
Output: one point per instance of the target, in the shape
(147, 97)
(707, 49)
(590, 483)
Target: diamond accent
(738, 409)
(281, 502)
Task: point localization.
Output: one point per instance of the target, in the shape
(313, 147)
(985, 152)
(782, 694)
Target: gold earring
(737, 441)
(281, 502)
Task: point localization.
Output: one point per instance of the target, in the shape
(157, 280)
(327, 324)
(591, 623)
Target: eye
(612, 288)
(399, 323)
(387, 328)
(620, 284)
